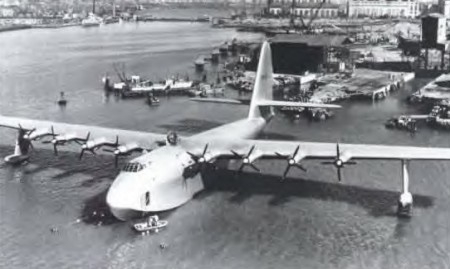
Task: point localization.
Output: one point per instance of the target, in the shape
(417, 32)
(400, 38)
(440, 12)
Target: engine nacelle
(91, 144)
(126, 149)
(61, 139)
(34, 135)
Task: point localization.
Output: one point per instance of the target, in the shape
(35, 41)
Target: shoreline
(7, 28)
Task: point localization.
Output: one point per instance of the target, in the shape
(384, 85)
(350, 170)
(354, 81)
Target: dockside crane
(304, 27)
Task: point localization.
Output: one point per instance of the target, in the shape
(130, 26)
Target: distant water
(250, 221)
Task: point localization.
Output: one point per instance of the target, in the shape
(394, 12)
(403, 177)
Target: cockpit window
(132, 167)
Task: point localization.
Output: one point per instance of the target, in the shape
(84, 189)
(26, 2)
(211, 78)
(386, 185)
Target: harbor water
(244, 221)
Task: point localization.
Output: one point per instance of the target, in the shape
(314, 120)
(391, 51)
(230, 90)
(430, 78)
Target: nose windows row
(132, 167)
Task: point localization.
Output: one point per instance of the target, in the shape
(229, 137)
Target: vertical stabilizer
(263, 88)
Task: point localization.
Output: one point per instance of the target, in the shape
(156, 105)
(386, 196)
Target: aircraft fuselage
(166, 177)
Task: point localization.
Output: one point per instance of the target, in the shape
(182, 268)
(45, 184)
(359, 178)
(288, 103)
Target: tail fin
(262, 91)
(262, 102)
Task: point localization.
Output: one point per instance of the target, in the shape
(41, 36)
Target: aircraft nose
(123, 197)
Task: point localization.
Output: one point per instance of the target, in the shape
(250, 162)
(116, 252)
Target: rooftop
(313, 40)
(434, 15)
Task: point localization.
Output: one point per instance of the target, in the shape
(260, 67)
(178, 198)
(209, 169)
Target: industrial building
(297, 54)
(444, 8)
(434, 36)
(304, 8)
(383, 8)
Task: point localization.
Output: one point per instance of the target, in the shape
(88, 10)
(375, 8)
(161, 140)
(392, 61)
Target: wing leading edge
(144, 139)
(315, 150)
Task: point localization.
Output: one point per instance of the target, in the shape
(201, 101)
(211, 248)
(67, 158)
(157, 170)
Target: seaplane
(167, 173)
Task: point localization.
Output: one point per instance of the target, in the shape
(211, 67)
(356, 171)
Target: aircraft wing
(313, 150)
(39, 129)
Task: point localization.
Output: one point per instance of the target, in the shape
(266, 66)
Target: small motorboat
(152, 101)
(62, 100)
(151, 225)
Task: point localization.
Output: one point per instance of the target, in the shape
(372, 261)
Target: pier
(363, 84)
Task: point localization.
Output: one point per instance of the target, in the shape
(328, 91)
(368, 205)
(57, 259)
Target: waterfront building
(444, 8)
(7, 12)
(304, 8)
(311, 8)
(383, 8)
(297, 54)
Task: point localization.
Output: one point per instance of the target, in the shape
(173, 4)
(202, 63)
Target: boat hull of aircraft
(169, 181)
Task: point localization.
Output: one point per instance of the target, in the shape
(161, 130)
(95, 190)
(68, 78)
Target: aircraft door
(146, 200)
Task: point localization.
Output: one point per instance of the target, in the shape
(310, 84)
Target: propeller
(79, 141)
(198, 159)
(291, 162)
(338, 162)
(52, 133)
(117, 151)
(117, 154)
(246, 160)
(22, 137)
(25, 132)
(85, 147)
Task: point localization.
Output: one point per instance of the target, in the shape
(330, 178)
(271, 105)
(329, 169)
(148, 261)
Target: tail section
(262, 102)
(263, 89)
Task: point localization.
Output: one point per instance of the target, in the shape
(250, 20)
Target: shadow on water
(276, 136)
(96, 168)
(378, 203)
(191, 125)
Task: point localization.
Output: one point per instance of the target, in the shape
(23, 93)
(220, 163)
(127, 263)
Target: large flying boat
(168, 173)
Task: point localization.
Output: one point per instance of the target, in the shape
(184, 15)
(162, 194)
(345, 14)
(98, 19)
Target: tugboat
(152, 100)
(402, 122)
(92, 19)
(152, 225)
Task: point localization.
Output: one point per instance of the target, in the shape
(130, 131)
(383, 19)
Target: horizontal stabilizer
(295, 104)
(217, 100)
(416, 117)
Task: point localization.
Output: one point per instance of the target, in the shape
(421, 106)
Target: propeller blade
(108, 150)
(296, 151)
(286, 171)
(235, 153)
(241, 167)
(205, 149)
(81, 154)
(251, 150)
(338, 152)
(55, 149)
(327, 162)
(193, 156)
(254, 167)
(299, 166)
(339, 174)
